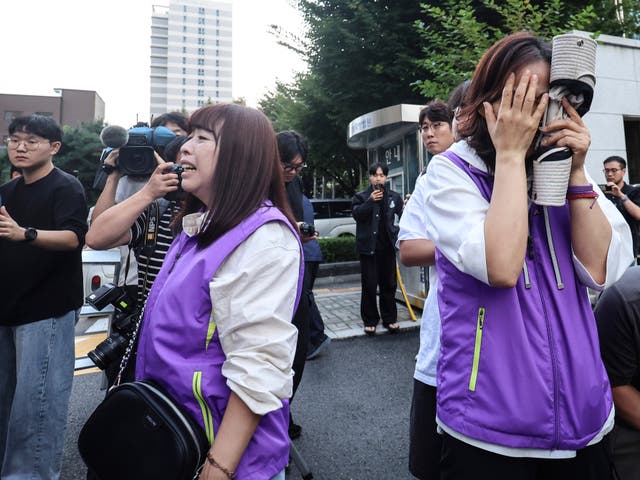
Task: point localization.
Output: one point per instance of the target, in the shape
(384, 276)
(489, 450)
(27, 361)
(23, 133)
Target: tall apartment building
(190, 55)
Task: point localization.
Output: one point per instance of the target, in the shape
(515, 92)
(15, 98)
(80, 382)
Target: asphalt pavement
(353, 402)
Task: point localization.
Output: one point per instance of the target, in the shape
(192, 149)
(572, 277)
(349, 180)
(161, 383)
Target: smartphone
(605, 188)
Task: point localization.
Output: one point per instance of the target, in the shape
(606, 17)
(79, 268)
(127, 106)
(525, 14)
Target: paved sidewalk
(339, 305)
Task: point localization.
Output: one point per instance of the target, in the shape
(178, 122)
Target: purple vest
(179, 347)
(521, 367)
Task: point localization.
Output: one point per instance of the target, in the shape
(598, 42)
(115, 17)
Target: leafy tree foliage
(80, 154)
(458, 32)
(364, 55)
(360, 58)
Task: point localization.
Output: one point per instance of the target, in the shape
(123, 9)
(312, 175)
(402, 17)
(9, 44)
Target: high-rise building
(190, 55)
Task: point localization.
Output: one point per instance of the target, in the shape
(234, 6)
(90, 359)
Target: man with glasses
(625, 197)
(42, 229)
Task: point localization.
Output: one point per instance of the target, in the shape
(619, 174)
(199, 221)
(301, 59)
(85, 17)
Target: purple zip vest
(521, 367)
(179, 347)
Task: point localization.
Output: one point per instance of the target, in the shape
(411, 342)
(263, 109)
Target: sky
(105, 46)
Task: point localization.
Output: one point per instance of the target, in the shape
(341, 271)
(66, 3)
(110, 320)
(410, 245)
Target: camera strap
(151, 229)
(129, 350)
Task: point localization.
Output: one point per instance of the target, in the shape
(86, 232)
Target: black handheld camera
(122, 329)
(378, 186)
(307, 229)
(178, 169)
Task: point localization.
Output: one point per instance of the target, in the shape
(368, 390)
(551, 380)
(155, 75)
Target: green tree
(457, 33)
(80, 154)
(361, 57)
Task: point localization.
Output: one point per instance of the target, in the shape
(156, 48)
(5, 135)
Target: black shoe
(295, 430)
(316, 348)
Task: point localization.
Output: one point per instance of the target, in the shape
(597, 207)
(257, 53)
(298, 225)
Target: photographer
(142, 221)
(374, 210)
(625, 197)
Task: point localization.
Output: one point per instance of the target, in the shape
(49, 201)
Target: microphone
(114, 136)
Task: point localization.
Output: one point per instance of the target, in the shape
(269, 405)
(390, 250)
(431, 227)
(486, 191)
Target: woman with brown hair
(522, 392)
(217, 332)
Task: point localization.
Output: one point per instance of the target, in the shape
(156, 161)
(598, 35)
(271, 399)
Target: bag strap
(129, 350)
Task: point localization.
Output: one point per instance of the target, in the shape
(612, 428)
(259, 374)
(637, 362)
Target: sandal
(370, 330)
(392, 327)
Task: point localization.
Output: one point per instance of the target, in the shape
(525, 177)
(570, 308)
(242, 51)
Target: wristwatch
(108, 169)
(30, 234)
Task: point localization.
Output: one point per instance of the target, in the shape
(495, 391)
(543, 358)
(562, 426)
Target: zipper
(552, 250)
(476, 350)
(207, 417)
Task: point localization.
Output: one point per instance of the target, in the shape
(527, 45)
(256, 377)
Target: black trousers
(316, 324)
(378, 271)
(425, 443)
(461, 461)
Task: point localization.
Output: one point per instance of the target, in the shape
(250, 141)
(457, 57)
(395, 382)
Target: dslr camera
(122, 329)
(136, 147)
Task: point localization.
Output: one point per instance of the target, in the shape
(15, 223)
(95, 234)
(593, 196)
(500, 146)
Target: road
(353, 405)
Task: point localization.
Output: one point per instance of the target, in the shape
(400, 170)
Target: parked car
(332, 217)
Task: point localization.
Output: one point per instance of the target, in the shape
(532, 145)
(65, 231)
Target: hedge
(340, 249)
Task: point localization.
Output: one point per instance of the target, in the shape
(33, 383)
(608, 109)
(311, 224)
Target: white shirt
(252, 297)
(413, 227)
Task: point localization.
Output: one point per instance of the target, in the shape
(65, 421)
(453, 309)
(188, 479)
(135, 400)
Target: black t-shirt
(38, 283)
(633, 193)
(618, 317)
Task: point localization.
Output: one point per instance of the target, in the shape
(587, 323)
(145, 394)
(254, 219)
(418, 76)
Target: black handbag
(138, 432)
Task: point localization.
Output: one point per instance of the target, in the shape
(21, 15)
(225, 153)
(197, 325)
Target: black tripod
(301, 465)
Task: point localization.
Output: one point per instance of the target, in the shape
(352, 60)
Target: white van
(332, 217)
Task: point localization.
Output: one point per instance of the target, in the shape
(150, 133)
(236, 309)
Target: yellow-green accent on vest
(210, 331)
(476, 350)
(196, 384)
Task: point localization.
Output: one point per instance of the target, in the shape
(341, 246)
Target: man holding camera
(42, 228)
(374, 210)
(625, 197)
(141, 221)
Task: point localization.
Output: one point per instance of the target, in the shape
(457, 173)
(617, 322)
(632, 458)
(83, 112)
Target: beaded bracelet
(230, 475)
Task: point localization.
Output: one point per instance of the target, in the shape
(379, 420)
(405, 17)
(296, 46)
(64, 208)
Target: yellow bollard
(404, 294)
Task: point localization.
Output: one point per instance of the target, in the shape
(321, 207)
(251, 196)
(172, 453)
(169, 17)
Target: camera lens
(108, 350)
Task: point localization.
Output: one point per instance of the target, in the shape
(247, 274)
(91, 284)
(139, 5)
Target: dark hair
(40, 125)
(616, 158)
(172, 149)
(178, 118)
(14, 169)
(247, 172)
(504, 57)
(457, 95)
(373, 169)
(291, 144)
(436, 111)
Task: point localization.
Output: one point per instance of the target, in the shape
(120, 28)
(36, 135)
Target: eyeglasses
(288, 167)
(611, 170)
(435, 126)
(29, 144)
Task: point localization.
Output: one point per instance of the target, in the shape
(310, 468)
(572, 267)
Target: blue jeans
(279, 476)
(36, 374)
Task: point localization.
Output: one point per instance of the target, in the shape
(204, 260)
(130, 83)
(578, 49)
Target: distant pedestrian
(42, 228)
(625, 197)
(15, 172)
(375, 210)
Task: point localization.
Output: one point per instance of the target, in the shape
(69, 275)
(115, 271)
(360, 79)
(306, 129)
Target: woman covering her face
(522, 392)
(217, 332)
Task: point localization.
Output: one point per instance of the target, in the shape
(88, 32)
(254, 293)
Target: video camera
(136, 147)
(122, 329)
